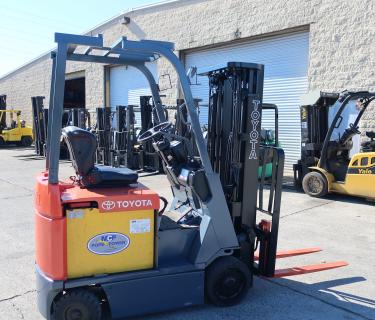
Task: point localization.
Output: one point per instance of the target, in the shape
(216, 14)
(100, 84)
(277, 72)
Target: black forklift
(149, 160)
(78, 117)
(124, 138)
(117, 130)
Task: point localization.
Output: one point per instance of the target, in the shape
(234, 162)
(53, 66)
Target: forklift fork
(267, 231)
(298, 270)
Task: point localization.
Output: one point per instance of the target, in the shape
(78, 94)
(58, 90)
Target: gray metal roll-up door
(127, 84)
(286, 64)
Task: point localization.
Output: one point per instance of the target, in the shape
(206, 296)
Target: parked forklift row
(115, 131)
(332, 157)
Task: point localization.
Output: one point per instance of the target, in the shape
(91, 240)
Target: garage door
(286, 64)
(127, 84)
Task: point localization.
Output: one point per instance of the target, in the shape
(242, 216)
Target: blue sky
(27, 26)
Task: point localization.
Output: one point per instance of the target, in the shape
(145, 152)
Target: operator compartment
(184, 171)
(109, 230)
(110, 217)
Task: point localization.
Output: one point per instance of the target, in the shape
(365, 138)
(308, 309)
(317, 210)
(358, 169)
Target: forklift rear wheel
(26, 141)
(2, 142)
(77, 305)
(227, 281)
(315, 184)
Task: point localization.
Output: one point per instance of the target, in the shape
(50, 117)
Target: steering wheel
(154, 131)
(354, 129)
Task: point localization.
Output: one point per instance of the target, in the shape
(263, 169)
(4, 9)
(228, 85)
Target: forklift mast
(233, 143)
(123, 138)
(3, 106)
(314, 127)
(39, 125)
(234, 124)
(103, 128)
(148, 158)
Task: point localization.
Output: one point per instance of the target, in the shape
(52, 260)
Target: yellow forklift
(333, 159)
(16, 132)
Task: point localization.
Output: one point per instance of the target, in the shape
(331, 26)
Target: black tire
(315, 184)
(2, 142)
(227, 280)
(77, 305)
(26, 141)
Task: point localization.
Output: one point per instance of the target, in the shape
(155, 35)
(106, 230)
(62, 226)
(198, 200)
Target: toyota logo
(108, 205)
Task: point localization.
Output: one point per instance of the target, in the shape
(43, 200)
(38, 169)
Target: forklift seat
(82, 146)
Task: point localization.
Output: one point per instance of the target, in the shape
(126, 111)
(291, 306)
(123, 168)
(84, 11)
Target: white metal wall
(127, 84)
(286, 64)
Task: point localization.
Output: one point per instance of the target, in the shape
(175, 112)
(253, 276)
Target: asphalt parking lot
(343, 227)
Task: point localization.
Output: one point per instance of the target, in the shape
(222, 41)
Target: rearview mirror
(164, 82)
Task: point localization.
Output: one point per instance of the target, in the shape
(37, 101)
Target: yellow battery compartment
(110, 242)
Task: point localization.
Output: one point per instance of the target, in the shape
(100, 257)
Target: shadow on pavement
(15, 147)
(323, 291)
(332, 196)
(258, 297)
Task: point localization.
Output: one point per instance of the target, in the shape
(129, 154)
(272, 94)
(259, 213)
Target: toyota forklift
(104, 245)
(333, 159)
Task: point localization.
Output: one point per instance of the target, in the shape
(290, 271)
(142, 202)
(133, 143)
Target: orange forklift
(104, 245)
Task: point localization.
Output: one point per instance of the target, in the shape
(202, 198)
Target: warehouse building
(304, 45)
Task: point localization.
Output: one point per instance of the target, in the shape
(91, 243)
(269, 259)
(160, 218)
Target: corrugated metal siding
(127, 84)
(286, 64)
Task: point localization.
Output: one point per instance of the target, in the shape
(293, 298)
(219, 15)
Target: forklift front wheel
(227, 281)
(80, 304)
(26, 141)
(315, 184)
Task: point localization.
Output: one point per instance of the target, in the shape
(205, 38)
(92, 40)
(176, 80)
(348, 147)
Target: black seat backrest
(82, 147)
(370, 134)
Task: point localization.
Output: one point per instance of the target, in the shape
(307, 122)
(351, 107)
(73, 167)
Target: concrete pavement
(343, 227)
